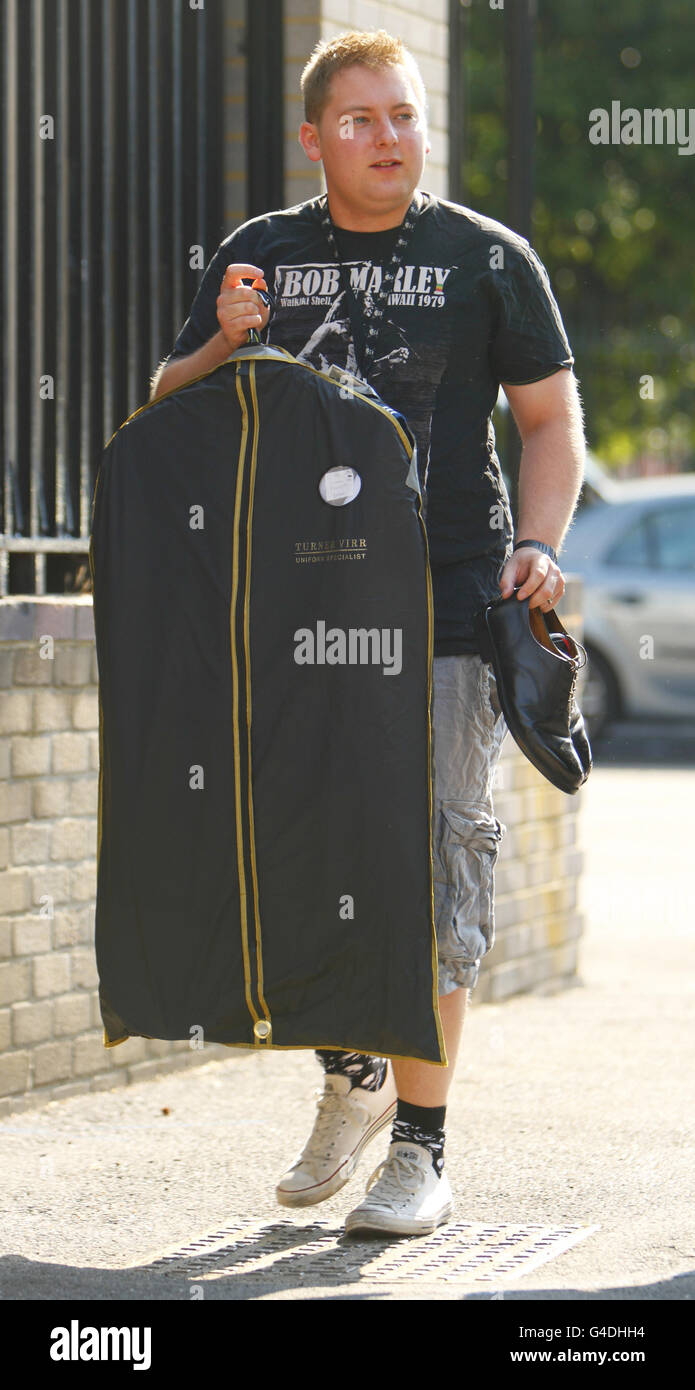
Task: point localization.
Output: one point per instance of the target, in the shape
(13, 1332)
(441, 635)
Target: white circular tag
(339, 486)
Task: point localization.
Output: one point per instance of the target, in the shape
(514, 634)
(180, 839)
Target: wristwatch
(538, 545)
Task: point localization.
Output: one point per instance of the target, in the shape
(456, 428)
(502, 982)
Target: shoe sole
(310, 1196)
(394, 1225)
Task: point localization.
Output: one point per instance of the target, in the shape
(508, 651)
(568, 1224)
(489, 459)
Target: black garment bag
(264, 629)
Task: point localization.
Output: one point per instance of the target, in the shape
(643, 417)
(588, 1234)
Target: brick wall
(51, 1033)
(537, 920)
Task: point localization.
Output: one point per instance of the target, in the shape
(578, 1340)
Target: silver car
(634, 546)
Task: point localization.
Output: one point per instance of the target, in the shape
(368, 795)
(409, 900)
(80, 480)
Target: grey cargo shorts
(468, 729)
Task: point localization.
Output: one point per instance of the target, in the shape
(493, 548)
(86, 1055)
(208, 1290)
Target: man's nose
(386, 132)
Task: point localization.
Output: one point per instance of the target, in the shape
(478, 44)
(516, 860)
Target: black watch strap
(538, 545)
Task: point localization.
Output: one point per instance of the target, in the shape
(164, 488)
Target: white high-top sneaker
(404, 1195)
(346, 1121)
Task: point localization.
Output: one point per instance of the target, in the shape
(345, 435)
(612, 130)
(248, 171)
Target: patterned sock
(424, 1125)
(367, 1072)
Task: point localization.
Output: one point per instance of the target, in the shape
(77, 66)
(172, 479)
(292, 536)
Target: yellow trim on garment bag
(247, 641)
(289, 1047)
(235, 702)
(340, 386)
(289, 358)
(100, 793)
(430, 650)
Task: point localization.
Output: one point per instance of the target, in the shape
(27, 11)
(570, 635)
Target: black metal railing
(112, 189)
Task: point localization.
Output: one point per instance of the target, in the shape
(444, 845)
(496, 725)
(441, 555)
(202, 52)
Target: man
(470, 308)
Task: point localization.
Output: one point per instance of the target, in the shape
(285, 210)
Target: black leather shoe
(536, 678)
(567, 646)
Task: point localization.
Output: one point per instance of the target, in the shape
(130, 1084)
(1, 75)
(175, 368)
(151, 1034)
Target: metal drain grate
(461, 1251)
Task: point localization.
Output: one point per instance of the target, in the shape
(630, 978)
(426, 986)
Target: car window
(673, 530)
(632, 548)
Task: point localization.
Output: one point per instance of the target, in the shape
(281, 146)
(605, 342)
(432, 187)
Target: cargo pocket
(468, 850)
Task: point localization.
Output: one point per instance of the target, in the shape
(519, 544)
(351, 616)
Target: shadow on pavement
(306, 1275)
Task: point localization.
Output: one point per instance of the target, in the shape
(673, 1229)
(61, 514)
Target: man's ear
(309, 140)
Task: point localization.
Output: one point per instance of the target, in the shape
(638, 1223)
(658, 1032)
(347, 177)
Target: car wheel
(598, 694)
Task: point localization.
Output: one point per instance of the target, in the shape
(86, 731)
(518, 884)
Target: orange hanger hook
(258, 284)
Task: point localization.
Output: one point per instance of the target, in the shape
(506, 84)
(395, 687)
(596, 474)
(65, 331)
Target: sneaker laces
(328, 1125)
(393, 1176)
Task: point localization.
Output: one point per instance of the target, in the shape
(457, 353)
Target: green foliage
(613, 223)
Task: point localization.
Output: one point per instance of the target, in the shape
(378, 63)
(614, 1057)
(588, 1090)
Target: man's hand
(541, 580)
(239, 307)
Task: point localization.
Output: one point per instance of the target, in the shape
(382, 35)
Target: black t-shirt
(470, 308)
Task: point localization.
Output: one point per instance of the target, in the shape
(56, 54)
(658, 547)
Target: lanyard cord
(366, 349)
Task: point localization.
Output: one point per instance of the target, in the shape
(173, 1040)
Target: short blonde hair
(373, 49)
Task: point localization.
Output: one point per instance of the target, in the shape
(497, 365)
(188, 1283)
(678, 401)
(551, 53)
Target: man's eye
(404, 115)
